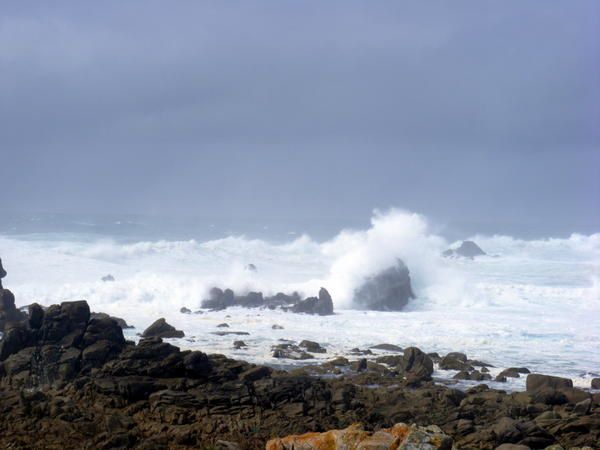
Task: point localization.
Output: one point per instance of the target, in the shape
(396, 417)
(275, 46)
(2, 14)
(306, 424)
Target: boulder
(467, 249)
(454, 361)
(313, 347)
(389, 290)
(595, 383)
(536, 382)
(108, 278)
(251, 268)
(416, 365)
(400, 436)
(162, 329)
(184, 310)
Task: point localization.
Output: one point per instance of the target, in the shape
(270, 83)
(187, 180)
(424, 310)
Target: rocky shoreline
(69, 379)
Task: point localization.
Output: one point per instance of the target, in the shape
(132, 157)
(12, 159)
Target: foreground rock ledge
(69, 380)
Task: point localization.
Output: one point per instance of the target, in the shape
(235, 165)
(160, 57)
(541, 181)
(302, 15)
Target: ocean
(530, 302)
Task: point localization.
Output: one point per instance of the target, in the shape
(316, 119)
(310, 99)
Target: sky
(466, 111)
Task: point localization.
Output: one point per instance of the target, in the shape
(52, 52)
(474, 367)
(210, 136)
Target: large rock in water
(400, 436)
(321, 305)
(389, 290)
(162, 329)
(467, 249)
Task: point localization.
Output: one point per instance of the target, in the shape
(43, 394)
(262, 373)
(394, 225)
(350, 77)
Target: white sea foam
(531, 302)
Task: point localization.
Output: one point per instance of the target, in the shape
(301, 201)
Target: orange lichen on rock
(400, 436)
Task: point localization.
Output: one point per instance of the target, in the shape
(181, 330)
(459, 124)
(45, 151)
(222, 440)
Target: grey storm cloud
(468, 110)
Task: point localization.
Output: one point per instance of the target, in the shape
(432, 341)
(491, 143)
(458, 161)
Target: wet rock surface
(162, 329)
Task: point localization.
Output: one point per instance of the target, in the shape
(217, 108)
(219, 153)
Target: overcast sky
(471, 111)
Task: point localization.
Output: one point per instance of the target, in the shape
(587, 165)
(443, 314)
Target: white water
(533, 303)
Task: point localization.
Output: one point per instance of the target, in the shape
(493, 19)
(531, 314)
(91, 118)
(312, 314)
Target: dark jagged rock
(321, 305)
(9, 314)
(467, 249)
(219, 299)
(121, 322)
(251, 268)
(162, 329)
(108, 278)
(416, 365)
(389, 290)
(2, 273)
(595, 383)
(250, 300)
(184, 310)
(282, 300)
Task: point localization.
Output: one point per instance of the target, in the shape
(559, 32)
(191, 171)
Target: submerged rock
(389, 290)
(162, 329)
(467, 249)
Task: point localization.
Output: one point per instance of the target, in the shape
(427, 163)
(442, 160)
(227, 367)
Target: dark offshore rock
(251, 268)
(184, 310)
(250, 300)
(108, 278)
(389, 290)
(280, 299)
(219, 299)
(467, 249)
(162, 329)
(322, 305)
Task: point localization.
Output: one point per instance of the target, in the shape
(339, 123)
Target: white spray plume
(393, 234)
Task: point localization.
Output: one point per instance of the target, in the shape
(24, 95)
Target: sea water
(533, 303)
